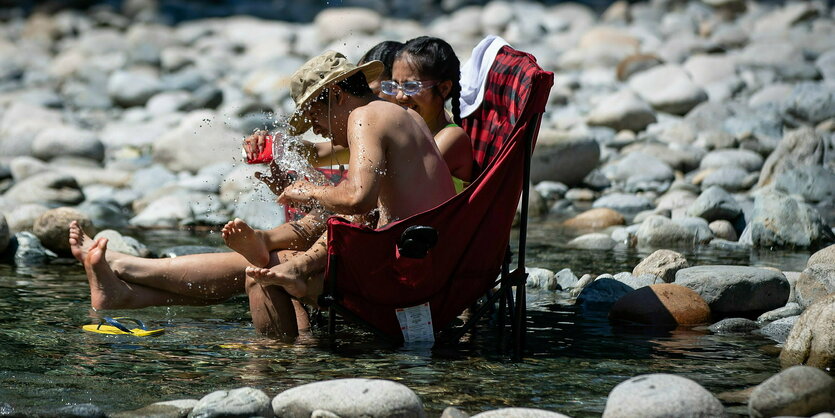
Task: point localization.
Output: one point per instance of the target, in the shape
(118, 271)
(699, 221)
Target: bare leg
(300, 275)
(247, 242)
(273, 312)
(196, 279)
(109, 292)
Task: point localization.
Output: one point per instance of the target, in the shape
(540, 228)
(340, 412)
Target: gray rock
(729, 178)
(661, 395)
(105, 213)
(662, 264)
(622, 110)
(205, 97)
(52, 228)
(519, 412)
(724, 230)
(812, 339)
(178, 208)
(123, 244)
(725, 245)
(733, 290)
(82, 410)
(740, 158)
(5, 235)
(241, 402)
(823, 256)
(453, 412)
(20, 123)
(780, 329)
(826, 65)
(259, 209)
(67, 141)
(167, 102)
(336, 24)
(638, 165)
(24, 167)
(811, 102)
(176, 151)
(23, 217)
(659, 231)
(668, 88)
(600, 294)
(815, 282)
(796, 391)
(715, 203)
(349, 398)
(29, 251)
(168, 409)
(49, 188)
(623, 203)
(148, 180)
(814, 183)
(791, 309)
(780, 221)
(770, 94)
(551, 190)
(733, 325)
(594, 241)
(566, 279)
(541, 278)
(801, 147)
(132, 88)
(565, 158)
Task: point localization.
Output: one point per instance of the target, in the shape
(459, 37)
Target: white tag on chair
(416, 323)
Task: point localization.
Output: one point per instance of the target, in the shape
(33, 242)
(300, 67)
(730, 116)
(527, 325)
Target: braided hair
(435, 58)
(384, 51)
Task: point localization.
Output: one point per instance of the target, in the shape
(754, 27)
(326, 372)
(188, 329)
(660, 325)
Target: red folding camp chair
(373, 273)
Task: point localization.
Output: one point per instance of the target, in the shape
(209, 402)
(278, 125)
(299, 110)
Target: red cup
(266, 154)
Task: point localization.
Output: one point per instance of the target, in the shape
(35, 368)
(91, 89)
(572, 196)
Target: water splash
(287, 154)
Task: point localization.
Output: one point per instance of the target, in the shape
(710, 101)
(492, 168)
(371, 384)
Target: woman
(425, 75)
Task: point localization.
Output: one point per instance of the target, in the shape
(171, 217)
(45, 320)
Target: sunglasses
(409, 88)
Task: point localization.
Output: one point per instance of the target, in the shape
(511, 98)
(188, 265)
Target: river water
(573, 360)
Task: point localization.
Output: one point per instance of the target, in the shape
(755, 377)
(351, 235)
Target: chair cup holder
(416, 241)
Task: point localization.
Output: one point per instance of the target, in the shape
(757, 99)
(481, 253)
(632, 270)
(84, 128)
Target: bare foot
(80, 243)
(106, 290)
(280, 275)
(246, 241)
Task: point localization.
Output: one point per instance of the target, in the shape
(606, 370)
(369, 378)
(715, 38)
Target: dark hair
(355, 85)
(384, 51)
(435, 58)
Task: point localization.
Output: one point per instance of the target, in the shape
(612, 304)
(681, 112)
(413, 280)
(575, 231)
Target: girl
(425, 74)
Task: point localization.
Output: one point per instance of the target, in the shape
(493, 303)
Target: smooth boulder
(662, 264)
(815, 282)
(241, 402)
(52, 228)
(736, 290)
(780, 221)
(797, 391)
(812, 339)
(661, 395)
(598, 218)
(349, 398)
(661, 304)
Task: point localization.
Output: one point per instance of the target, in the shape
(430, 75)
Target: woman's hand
(255, 143)
(277, 180)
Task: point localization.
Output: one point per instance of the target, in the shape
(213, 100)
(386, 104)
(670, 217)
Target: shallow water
(572, 363)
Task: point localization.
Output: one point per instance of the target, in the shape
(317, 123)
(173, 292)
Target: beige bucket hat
(315, 75)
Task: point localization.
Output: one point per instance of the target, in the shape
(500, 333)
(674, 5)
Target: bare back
(412, 177)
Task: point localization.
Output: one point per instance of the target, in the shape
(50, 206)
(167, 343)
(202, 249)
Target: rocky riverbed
(680, 124)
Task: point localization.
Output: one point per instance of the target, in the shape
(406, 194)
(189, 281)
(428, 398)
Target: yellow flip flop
(114, 327)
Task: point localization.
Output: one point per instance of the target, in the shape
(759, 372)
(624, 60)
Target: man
(394, 166)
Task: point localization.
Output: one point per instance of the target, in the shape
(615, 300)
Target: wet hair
(435, 58)
(355, 85)
(385, 52)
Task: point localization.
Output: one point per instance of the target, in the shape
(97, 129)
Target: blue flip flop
(114, 327)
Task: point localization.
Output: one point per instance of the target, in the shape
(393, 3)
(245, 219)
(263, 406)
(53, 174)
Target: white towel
(474, 73)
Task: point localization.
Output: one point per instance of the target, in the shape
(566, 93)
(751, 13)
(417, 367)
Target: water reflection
(572, 363)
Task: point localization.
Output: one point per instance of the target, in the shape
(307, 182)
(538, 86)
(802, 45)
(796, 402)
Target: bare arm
(358, 193)
(457, 150)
